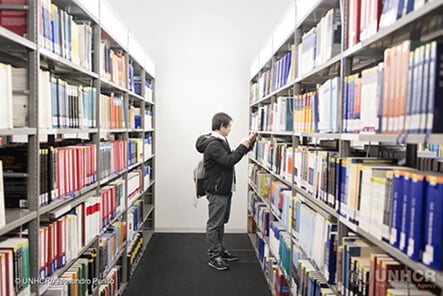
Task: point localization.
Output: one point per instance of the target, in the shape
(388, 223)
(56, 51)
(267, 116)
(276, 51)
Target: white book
(45, 114)
(6, 96)
(2, 198)
(334, 104)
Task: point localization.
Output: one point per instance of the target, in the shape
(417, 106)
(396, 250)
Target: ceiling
(229, 30)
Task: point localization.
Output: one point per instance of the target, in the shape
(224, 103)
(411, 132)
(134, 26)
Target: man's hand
(249, 141)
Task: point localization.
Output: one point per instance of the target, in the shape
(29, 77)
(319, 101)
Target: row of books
(83, 224)
(137, 88)
(405, 88)
(134, 183)
(61, 240)
(112, 202)
(275, 155)
(112, 111)
(355, 184)
(15, 262)
(308, 280)
(135, 151)
(316, 237)
(79, 279)
(67, 105)
(283, 71)
(261, 180)
(66, 170)
(280, 285)
(318, 45)
(63, 35)
(280, 244)
(364, 19)
(260, 212)
(262, 249)
(134, 253)
(311, 112)
(113, 157)
(279, 74)
(281, 195)
(366, 270)
(321, 43)
(135, 218)
(110, 244)
(367, 17)
(277, 116)
(112, 283)
(72, 106)
(112, 64)
(116, 155)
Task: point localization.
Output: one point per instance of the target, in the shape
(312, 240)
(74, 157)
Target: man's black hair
(219, 120)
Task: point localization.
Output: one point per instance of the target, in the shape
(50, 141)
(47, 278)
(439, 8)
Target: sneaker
(228, 256)
(218, 263)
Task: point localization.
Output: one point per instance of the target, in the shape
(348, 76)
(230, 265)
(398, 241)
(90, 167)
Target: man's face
(226, 130)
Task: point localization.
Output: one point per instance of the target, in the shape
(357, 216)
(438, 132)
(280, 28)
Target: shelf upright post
(96, 137)
(97, 86)
(125, 216)
(33, 143)
(153, 143)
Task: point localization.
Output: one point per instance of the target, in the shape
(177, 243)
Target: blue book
(424, 97)
(351, 102)
(434, 116)
(346, 241)
(289, 114)
(331, 253)
(314, 104)
(408, 6)
(54, 103)
(396, 206)
(405, 208)
(433, 236)
(416, 225)
(342, 185)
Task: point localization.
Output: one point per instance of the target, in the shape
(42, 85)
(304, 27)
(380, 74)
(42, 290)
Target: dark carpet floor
(176, 265)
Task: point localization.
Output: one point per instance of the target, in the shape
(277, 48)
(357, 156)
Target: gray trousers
(219, 210)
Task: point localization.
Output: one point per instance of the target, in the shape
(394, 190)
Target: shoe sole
(218, 268)
(230, 260)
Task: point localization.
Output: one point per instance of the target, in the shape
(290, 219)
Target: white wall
(202, 50)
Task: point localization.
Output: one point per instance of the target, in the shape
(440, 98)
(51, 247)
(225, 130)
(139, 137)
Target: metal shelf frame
(34, 57)
(408, 26)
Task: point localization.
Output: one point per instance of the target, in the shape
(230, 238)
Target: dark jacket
(219, 163)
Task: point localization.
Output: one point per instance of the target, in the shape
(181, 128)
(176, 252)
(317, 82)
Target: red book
(61, 248)
(14, 20)
(9, 273)
(389, 270)
(354, 22)
(373, 272)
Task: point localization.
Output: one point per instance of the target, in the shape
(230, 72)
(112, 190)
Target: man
(219, 161)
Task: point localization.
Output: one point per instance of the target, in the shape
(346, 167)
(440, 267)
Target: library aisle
(175, 264)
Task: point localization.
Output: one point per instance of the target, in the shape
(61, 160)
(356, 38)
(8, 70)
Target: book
(432, 255)
(14, 20)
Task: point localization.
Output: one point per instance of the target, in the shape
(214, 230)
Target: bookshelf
(86, 180)
(296, 154)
